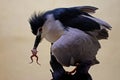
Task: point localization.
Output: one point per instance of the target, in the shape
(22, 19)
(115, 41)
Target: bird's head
(45, 26)
(36, 22)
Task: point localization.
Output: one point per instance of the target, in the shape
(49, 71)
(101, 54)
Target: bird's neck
(52, 30)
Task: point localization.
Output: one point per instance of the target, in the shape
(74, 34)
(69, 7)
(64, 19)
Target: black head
(36, 21)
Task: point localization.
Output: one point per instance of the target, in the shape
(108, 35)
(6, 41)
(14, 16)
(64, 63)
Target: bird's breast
(52, 36)
(52, 31)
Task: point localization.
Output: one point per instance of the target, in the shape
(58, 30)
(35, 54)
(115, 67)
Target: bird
(65, 15)
(74, 35)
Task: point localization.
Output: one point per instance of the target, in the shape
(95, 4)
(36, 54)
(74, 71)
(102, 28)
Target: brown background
(16, 39)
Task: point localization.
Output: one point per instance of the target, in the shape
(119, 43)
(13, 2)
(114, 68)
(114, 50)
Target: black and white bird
(73, 32)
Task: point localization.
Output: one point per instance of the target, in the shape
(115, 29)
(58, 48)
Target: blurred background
(16, 39)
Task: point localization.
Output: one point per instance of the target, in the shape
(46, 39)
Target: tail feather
(102, 34)
(99, 34)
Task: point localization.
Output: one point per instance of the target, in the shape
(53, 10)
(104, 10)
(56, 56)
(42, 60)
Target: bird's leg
(58, 70)
(82, 72)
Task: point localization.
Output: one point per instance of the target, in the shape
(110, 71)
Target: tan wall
(16, 39)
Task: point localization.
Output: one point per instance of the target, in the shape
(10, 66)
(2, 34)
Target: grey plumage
(75, 46)
(74, 35)
(71, 46)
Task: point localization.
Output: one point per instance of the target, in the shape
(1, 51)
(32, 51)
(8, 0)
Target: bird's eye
(40, 29)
